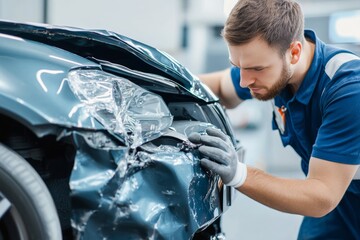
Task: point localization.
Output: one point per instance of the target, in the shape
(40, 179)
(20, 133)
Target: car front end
(104, 120)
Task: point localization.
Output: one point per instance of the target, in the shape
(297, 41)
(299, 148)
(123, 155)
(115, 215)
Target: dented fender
(152, 192)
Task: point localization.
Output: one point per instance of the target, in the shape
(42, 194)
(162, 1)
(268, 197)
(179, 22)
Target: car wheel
(27, 210)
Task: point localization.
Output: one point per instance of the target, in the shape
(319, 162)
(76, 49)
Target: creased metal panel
(158, 192)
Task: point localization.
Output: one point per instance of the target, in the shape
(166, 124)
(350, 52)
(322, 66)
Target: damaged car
(93, 139)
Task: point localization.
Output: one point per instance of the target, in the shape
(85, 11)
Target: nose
(246, 79)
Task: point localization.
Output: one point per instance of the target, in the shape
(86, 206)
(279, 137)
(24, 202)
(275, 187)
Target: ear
(295, 52)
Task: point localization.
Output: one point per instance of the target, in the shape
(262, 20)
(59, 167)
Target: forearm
(213, 81)
(314, 196)
(221, 84)
(309, 197)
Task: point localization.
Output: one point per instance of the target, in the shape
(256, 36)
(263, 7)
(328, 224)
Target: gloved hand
(220, 156)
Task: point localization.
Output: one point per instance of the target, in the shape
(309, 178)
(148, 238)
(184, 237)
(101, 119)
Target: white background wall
(22, 10)
(156, 22)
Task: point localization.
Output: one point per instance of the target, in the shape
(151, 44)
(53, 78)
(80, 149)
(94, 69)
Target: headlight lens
(121, 106)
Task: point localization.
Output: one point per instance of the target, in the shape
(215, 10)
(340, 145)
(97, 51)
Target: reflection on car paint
(40, 80)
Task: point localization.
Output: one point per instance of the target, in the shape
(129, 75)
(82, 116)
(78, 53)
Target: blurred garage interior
(190, 32)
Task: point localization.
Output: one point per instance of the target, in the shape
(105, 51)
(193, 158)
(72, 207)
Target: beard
(279, 85)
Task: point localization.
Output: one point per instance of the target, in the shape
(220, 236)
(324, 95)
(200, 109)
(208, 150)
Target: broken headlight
(124, 108)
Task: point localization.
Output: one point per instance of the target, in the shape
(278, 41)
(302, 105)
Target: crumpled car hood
(105, 45)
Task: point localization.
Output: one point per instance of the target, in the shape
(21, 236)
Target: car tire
(27, 210)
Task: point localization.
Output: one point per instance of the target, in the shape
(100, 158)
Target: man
(316, 92)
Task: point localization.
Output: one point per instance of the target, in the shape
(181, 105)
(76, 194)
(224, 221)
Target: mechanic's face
(263, 70)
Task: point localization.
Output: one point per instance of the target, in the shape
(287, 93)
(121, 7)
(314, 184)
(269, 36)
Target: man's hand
(220, 156)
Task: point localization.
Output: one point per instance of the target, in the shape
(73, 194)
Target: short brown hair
(278, 22)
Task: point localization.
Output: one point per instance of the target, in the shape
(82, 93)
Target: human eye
(258, 69)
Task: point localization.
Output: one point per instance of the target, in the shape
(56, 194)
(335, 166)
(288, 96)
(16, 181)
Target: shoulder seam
(337, 61)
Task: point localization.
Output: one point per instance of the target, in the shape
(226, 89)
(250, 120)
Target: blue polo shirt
(322, 119)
